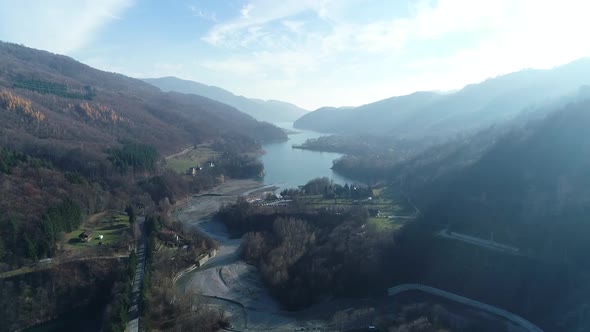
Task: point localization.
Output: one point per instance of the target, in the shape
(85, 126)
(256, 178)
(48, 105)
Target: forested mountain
(264, 110)
(376, 117)
(428, 114)
(525, 185)
(75, 141)
(530, 188)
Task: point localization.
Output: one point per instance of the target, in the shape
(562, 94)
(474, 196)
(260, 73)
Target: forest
(305, 256)
(140, 157)
(520, 184)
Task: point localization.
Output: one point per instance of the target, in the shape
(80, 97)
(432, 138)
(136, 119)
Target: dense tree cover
(325, 187)
(22, 107)
(37, 207)
(116, 313)
(34, 241)
(57, 89)
(526, 186)
(55, 161)
(139, 157)
(307, 256)
(426, 317)
(162, 307)
(367, 146)
(64, 217)
(237, 166)
(70, 291)
(167, 121)
(10, 159)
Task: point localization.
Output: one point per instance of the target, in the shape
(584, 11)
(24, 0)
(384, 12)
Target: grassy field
(112, 226)
(384, 223)
(192, 158)
(391, 215)
(385, 205)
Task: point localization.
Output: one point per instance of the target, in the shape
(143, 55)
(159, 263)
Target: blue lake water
(286, 167)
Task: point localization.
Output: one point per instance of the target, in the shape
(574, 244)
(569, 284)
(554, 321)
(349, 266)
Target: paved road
(185, 151)
(457, 298)
(488, 244)
(133, 324)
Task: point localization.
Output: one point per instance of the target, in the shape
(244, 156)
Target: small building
(205, 257)
(85, 236)
(45, 260)
(194, 170)
(100, 237)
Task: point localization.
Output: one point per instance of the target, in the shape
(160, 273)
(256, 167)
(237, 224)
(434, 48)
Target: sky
(312, 53)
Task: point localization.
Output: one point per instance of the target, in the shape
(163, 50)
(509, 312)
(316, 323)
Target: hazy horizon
(310, 53)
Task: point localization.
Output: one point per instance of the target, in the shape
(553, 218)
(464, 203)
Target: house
(85, 236)
(194, 170)
(170, 238)
(205, 257)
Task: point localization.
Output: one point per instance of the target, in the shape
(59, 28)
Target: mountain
(264, 110)
(48, 99)
(531, 183)
(373, 117)
(428, 113)
(76, 141)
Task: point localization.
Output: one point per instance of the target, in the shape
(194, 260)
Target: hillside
(264, 110)
(426, 113)
(529, 187)
(524, 185)
(75, 141)
(52, 98)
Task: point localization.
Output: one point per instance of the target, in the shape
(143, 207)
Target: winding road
(134, 310)
(463, 300)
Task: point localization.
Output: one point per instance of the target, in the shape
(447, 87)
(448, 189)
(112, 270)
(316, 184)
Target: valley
(440, 185)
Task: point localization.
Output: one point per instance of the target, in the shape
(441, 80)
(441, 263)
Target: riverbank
(226, 281)
(204, 204)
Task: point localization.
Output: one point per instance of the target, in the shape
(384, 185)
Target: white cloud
(245, 11)
(257, 13)
(204, 14)
(61, 26)
(443, 44)
(293, 26)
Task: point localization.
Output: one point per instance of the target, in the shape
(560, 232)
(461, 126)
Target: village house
(170, 238)
(194, 170)
(205, 257)
(85, 236)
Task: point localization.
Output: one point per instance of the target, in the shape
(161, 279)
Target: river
(286, 167)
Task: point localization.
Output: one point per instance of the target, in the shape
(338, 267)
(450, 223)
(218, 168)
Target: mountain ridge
(264, 110)
(474, 106)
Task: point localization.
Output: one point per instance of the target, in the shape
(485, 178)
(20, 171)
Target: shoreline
(229, 283)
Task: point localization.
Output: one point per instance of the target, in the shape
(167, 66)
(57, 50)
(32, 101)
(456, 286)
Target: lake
(286, 167)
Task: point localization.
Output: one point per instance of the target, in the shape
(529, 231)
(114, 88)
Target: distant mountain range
(263, 110)
(429, 113)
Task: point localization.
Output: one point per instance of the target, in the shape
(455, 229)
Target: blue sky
(310, 52)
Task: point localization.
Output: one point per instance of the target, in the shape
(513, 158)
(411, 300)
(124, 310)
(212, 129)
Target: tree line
(140, 157)
(305, 256)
